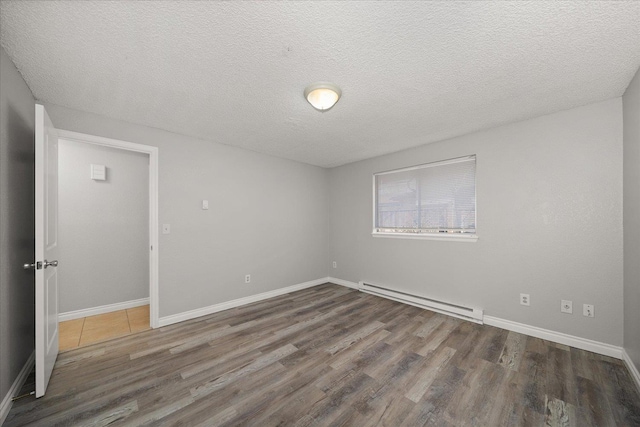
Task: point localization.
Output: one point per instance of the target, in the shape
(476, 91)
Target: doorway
(108, 242)
(98, 328)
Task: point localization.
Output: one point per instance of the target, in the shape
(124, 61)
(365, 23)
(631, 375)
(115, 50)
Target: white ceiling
(410, 73)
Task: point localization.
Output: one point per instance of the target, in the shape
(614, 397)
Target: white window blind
(435, 198)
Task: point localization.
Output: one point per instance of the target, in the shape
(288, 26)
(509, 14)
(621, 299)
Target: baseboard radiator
(471, 314)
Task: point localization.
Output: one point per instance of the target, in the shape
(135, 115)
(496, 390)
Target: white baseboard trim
(7, 403)
(546, 334)
(632, 368)
(204, 311)
(78, 314)
(557, 337)
(343, 282)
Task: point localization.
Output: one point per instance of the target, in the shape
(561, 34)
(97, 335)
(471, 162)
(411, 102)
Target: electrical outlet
(588, 310)
(524, 299)
(335, 264)
(247, 278)
(566, 306)
(205, 205)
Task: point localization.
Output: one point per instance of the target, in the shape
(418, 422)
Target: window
(435, 200)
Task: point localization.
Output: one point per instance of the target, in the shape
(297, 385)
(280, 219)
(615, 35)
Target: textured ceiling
(410, 73)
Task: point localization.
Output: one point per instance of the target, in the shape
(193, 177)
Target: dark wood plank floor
(330, 356)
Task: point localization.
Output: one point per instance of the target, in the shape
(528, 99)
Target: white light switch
(205, 204)
(98, 172)
(166, 228)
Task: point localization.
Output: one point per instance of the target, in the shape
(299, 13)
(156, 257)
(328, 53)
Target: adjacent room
(320, 213)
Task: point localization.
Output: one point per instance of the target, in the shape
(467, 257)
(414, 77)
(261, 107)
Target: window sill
(448, 237)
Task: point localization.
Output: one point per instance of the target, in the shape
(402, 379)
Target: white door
(46, 248)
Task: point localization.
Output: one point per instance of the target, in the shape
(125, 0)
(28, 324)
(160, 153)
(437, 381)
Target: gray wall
(267, 216)
(631, 120)
(17, 116)
(549, 203)
(103, 226)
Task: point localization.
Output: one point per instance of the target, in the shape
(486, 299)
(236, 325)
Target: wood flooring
(101, 327)
(332, 356)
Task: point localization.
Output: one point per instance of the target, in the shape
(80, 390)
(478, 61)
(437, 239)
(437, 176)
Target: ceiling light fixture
(322, 95)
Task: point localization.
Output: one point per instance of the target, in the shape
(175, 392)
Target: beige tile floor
(102, 327)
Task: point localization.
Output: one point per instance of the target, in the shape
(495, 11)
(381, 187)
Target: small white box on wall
(98, 172)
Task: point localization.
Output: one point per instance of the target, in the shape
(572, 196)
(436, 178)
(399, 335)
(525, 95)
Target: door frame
(154, 297)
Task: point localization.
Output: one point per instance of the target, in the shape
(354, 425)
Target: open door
(46, 262)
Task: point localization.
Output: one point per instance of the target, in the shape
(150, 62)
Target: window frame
(456, 237)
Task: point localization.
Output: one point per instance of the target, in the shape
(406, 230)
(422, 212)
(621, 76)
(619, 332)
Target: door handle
(32, 266)
(50, 263)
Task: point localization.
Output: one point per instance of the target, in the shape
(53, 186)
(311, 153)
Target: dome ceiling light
(322, 95)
